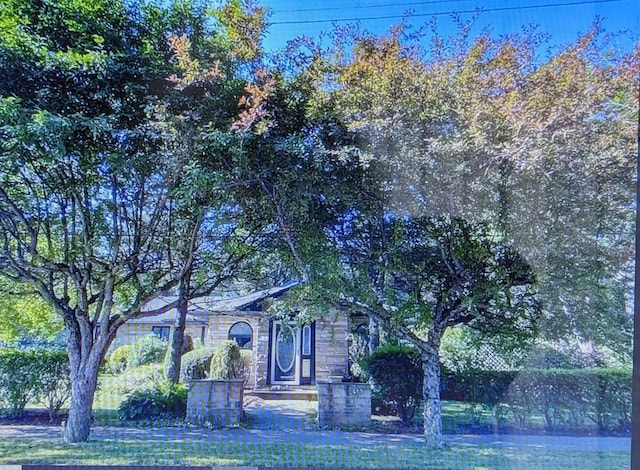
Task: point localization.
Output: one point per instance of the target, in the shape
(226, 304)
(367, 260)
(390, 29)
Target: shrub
(149, 349)
(33, 375)
(565, 398)
(162, 400)
(196, 364)
(247, 364)
(118, 360)
(18, 380)
(54, 382)
(396, 375)
(227, 362)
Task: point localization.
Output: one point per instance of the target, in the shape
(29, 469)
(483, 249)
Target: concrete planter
(216, 402)
(344, 404)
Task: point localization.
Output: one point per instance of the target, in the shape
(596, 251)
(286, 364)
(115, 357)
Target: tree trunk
(83, 388)
(431, 397)
(177, 339)
(374, 334)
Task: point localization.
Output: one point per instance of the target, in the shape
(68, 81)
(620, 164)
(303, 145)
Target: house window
(161, 331)
(242, 333)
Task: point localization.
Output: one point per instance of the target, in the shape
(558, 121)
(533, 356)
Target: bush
(196, 364)
(227, 363)
(247, 364)
(565, 398)
(118, 360)
(18, 380)
(149, 349)
(33, 376)
(396, 375)
(54, 381)
(162, 400)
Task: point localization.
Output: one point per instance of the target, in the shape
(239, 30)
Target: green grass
(184, 451)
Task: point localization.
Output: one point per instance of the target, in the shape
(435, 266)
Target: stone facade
(343, 404)
(261, 352)
(219, 326)
(331, 346)
(129, 333)
(216, 402)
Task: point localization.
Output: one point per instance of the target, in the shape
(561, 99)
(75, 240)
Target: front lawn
(181, 450)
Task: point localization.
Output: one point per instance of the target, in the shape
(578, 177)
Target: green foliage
(149, 349)
(566, 399)
(227, 362)
(161, 400)
(119, 358)
(196, 364)
(247, 365)
(396, 375)
(33, 376)
(25, 315)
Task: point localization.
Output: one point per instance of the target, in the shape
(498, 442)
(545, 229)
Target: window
(242, 333)
(161, 331)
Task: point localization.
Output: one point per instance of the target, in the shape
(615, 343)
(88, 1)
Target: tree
(85, 188)
(541, 148)
(431, 274)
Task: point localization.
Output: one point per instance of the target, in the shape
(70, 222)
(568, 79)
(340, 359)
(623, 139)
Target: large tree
(421, 276)
(87, 175)
(540, 147)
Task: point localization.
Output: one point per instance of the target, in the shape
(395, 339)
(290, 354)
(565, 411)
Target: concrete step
(288, 394)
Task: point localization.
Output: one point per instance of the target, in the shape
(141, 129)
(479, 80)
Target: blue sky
(563, 22)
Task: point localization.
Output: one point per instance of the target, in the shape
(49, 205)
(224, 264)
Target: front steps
(309, 393)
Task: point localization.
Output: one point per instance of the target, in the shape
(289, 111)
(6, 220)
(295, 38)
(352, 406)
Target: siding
(331, 345)
(130, 332)
(219, 326)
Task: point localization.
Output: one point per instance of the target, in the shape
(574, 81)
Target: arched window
(242, 334)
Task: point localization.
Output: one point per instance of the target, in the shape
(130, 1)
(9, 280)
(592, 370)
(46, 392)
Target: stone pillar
(261, 352)
(216, 402)
(344, 404)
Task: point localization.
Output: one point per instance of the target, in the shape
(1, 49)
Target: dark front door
(292, 354)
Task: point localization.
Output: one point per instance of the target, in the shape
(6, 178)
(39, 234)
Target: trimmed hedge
(33, 376)
(149, 349)
(196, 364)
(396, 374)
(118, 359)
(165, 400)
(227, 362)
(565, 398)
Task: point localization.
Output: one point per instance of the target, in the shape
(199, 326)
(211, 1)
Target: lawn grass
(179, 447)
(181, 451)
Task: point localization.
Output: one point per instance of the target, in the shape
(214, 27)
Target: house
(283, 353)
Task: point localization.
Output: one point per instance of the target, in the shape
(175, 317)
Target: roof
(203, 307)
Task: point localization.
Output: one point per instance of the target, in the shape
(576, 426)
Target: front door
(291, 353)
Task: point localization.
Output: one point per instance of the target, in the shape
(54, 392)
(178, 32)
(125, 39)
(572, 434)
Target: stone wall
(343, 404)
(216, 402)
(332, 355)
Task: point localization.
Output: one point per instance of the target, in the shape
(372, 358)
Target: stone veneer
(218, 402)
(331, 348)
(343, 404)
(331, 345)
(219, 326)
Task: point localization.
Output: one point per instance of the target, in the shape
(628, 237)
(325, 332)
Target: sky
(564, 20)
